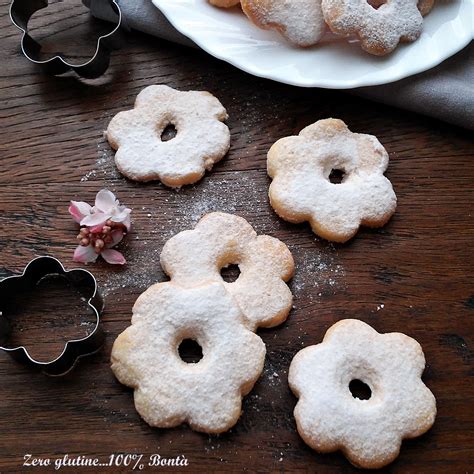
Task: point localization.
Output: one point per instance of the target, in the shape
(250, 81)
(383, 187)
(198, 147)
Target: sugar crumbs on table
(316, 270)
(236, 192)
(105, 168)
(138, 275)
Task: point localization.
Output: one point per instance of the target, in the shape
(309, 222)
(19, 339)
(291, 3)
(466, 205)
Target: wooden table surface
(415, 275)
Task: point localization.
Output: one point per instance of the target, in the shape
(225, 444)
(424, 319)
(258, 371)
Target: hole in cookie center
(190, 351)
(360, 389)
(376, 4)
(168, 133)
(230, 273)
(336, 176)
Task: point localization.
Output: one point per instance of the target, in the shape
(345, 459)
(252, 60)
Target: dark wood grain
(419, 267)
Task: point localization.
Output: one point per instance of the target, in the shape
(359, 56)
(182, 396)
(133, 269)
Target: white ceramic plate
(334, 63)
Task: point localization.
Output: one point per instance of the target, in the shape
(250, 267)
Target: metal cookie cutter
(21, 12)
(33, 274)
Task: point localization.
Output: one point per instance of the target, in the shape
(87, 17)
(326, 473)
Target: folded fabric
(445, 92)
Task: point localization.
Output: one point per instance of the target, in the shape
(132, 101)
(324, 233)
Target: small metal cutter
(21, 12)
(33, 274)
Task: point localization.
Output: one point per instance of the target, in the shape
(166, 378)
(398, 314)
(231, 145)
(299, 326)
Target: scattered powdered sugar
(90, 174)
(235, 192)
(176, 211)
(316, 272)
(142, 270)
(270, 374)
(168, 212)
(238, 192)
(104, 165)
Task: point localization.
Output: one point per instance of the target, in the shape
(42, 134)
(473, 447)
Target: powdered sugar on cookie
(380, 25)
(196, 257)
(368, 431)
(302, 22)
(220, 317)
(202, 138)
(169, 391)
(301, 190)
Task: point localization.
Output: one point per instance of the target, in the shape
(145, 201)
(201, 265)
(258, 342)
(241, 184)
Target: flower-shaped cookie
(301, 23)
(201, 140)
(369, 431)
(196, 257)
(301, 190)
(379, 24)
(169, 391)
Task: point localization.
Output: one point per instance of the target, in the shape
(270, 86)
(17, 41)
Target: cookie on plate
(301, 23)
(379, 25)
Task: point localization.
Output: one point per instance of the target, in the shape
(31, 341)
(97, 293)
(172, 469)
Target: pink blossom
(106, 207)
(102, 227)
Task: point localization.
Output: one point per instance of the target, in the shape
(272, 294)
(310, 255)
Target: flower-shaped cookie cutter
(82, 280)
(22, 10)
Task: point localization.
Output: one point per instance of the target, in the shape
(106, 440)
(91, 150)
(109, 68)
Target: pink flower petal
(113, 257)
(117, 236)
(120, 214)
(79, 210)
(105, 201)
(85, 254)
(98, 218)
(127, 223)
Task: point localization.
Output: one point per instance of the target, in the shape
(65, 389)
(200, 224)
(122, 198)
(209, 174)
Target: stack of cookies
(220, 317)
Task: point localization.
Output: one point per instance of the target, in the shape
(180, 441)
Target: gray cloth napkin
(445, 92)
